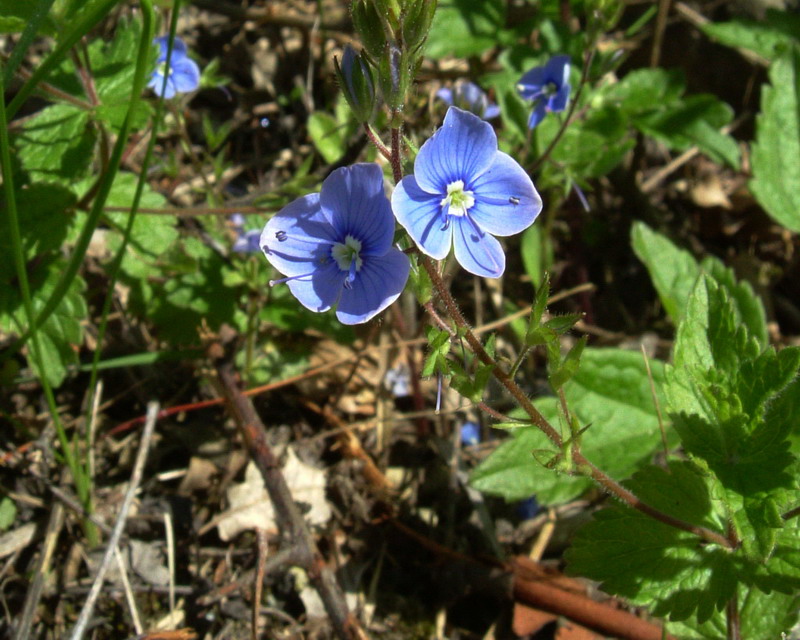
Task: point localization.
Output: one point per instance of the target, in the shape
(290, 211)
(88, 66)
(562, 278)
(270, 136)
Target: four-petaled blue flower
(465, 191)
(336, 246)
(470, 97)
(547, 86)
(184, 74)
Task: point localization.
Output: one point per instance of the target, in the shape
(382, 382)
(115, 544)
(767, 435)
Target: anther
(513, 200)
(281, 236)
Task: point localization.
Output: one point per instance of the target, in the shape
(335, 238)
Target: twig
(169, 533)
(126, 585)
(34, 593)
(289, 519)
(119, 525)
(263, 548)
(658, 34)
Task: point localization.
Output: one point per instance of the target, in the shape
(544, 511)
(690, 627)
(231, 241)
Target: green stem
(82, 244)
(22, 275)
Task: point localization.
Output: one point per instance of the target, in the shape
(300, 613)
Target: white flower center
(459, 201)
(347, 256)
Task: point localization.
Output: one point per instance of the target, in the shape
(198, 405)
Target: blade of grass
(22, 276)
(104, 188)
(77, 28)
(29, 33)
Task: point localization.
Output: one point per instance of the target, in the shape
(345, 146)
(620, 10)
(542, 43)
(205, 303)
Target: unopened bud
(355, 79)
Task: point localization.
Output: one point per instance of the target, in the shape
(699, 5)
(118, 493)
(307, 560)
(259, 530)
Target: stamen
(272, 283)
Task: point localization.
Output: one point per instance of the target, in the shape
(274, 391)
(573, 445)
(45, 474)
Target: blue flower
(463, 193)
(547, 86)
(184, 74)
(470, 434)
(246, 241)
(470, 97)
(336, 246)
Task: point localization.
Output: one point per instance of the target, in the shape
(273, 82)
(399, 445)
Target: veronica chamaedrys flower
(548, 88)
(335, 247)
(465, 191)
(470, 97)
(184, 74)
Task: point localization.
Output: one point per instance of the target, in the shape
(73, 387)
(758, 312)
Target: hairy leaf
(611, 392)
(776, 170)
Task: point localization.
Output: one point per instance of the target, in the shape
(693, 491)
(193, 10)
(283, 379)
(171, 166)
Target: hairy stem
(536, 418)
(374, 139)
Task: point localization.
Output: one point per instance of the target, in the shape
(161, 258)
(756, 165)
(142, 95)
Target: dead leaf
(250, 506)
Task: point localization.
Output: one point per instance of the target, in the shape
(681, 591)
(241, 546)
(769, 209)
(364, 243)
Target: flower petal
(379, 282)
(357, 206)
(557, 70)
(531, 83)
(420, 213)
(559, 101)
(506, 202)
(321, 290)
(538, 114)
(492, 111)
(298, 237)
(178, 48)
(445, 94)
(478, 253)
(185, 74)
(462, 149)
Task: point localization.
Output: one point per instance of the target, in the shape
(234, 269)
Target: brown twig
(290, 521)
(544, 590)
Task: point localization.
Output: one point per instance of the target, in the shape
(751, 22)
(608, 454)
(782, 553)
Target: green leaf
(611, 392)
(776, 170)
(673, 271)
(61, 334)
(8, 513)
(56, 144)
(464, 28)
(15, 15)
(328, 136)
(44, 221)
(766, 38)
(654, 564)
(532, 249)
(113, 67)
(763, 617)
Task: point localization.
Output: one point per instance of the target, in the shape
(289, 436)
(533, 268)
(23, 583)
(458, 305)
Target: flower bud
(355, 79)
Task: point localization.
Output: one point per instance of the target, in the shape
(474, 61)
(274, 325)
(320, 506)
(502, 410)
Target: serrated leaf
(612, 392)
(776, 170)
(674, 273)
(56, 144)
(763, 617)
(654, 564)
